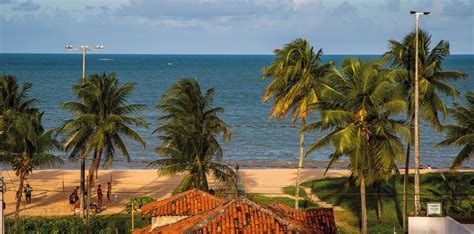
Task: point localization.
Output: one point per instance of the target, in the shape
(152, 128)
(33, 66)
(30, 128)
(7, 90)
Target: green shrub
(138, 202)
(66, 224)
(74, 225)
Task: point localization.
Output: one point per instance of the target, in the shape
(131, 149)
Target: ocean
(256, 140)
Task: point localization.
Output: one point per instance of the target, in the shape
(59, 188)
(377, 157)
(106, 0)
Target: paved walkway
(284, 195)
(311, 197)
(321, 203)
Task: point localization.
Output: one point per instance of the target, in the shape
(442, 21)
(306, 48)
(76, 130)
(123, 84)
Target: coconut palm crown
(103, 117)
(14, 98)
(189, 134)
(433, 79)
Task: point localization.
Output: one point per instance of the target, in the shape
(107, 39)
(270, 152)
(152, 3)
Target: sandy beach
(51, 188)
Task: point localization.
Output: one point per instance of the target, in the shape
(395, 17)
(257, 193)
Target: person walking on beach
(28, 190)
(76, 194)
(109, 191)
(72, 200)
(99, 195)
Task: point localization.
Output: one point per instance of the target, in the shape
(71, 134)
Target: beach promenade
(51, 188)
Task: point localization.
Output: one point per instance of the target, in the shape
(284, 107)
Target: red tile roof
(245, 216)
(241, 215)
(189, 203)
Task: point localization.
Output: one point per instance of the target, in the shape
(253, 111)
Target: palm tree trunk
(405, 178)
(300, 163)
(18, 201)
(363, 227)
(202, 183)
(378, 210)
(83, 185)
(97, 165)
(405, 188)
(90, 182)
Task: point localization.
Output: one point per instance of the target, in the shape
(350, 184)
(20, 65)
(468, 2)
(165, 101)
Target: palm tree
(357, 107)
(103, 117)
(11, 98)
(432, 80)
(28, 147)
(23, 142)
(295, 74)
(461, 133)
(454, 191)
(189, 133)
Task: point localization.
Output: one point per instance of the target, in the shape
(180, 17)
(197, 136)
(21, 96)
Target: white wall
(435, 225)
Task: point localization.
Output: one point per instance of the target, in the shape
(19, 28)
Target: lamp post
(84, 49)
(415, 123)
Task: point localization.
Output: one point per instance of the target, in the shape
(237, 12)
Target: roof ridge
(213, 197)
(158, 204)
(166, 200)
(197, 217)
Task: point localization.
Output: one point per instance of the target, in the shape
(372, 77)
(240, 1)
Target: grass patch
(340, 192)
(283, 200)
(291, 190)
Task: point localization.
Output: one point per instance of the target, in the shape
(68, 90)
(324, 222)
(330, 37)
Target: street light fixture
(83, 48)
(415, 12)
(416, 130)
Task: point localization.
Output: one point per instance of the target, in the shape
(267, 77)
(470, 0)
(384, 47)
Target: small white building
(438, 225)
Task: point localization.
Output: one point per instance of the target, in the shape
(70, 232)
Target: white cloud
(229, 26)
(27, 5)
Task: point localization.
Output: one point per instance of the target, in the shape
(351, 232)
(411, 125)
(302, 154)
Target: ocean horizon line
(190, 54)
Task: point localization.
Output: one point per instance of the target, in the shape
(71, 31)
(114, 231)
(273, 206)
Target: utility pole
(416, 127)
(84, 49)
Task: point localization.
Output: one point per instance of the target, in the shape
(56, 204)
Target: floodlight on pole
(84, 49)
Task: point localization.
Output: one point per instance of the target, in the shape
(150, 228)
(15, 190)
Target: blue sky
(227, 26)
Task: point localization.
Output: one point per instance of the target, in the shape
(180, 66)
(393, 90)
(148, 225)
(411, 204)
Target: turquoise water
(236, 78)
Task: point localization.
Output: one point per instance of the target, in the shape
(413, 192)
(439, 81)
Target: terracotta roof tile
(191, 202)
(239, 216)
(320, 218)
